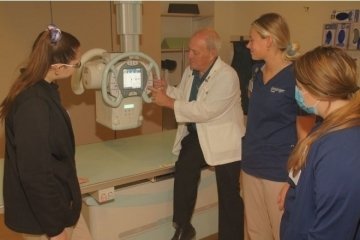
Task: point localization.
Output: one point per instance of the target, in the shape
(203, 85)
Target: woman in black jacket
(41, 189)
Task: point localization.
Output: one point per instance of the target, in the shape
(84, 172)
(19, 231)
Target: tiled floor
(7, 234)
(212, 237)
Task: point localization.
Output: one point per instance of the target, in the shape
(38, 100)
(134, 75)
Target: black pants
(187, 176)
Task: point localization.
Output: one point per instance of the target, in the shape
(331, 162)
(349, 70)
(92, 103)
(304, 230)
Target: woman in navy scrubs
(271, 131)
(323, 201)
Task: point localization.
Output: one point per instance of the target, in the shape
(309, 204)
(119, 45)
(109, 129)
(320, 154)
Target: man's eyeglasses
(76, 65)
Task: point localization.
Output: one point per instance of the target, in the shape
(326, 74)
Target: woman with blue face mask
(299, 96)
(324, 195)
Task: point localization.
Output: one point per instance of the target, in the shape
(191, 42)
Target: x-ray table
(123, 161)
(132, 166)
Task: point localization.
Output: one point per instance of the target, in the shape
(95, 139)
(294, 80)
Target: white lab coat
(217, 113)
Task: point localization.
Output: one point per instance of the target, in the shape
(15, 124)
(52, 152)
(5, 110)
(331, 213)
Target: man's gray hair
(211, 38)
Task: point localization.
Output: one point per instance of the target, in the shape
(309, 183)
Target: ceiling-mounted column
(129, 24)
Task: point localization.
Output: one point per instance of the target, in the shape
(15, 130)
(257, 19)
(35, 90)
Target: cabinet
(180, 27)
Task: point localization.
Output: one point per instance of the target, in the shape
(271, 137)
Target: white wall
(93, 23)
(305, 19)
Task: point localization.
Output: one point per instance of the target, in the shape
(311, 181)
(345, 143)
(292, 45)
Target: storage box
(187, 8)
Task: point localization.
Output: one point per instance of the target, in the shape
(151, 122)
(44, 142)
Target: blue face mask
(300, 101)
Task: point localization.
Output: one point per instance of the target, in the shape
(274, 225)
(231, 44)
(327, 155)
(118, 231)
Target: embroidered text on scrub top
(276, 90)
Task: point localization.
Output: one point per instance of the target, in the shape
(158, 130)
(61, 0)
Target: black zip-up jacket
(41, 189)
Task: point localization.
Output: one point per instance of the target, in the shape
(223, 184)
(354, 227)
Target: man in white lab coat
(208, 111)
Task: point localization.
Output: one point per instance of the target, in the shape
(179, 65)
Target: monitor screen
(132, 78)
(129, 106)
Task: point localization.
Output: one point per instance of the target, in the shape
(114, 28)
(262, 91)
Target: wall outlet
(104, 195)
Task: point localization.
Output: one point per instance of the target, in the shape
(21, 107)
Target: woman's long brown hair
(45, 52)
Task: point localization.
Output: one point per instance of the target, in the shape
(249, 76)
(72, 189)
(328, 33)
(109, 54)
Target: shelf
(170, 50)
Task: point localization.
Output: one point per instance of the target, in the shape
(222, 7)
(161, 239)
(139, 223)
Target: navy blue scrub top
(325, 202)
(271, 125)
